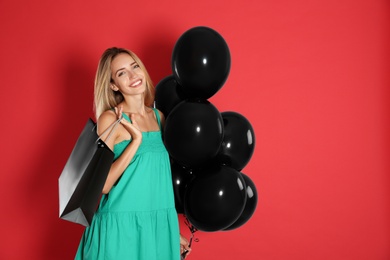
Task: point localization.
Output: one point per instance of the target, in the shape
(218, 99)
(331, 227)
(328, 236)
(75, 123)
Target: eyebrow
(124, 67)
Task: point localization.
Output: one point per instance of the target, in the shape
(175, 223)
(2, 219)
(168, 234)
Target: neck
(134, 104)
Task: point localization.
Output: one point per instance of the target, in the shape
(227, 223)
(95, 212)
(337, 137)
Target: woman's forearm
(120, 165)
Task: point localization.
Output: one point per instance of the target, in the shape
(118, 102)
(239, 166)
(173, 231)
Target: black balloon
(215, 199)
(181, 176)
(239, 141)
(168, 94)
(201, 62)
(250, 205)
(193, 133)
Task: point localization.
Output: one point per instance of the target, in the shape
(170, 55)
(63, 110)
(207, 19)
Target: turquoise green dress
(137, 219)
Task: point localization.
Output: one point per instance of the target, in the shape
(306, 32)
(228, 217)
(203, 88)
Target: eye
(136, 66)
(121, 73)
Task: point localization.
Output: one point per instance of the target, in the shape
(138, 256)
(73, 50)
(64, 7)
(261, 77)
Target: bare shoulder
(105, 120)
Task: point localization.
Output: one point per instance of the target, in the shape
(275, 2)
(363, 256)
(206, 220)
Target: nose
(132, 74)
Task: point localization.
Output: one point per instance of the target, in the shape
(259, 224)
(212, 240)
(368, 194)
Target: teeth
(136, 83)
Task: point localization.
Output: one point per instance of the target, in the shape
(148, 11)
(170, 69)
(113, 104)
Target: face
(127, 76)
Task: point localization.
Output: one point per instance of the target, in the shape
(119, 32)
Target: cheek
(140, 73)
(123, 81)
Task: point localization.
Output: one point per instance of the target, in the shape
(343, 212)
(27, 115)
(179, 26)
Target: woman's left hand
(184, 246)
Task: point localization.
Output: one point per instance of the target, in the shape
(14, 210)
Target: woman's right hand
(132, 128)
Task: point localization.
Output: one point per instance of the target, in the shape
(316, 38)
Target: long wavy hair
(104, 97)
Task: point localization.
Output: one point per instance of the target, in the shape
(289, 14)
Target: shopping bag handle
(112, 126)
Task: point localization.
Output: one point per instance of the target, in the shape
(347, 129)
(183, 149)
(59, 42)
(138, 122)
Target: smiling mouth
(136, 83)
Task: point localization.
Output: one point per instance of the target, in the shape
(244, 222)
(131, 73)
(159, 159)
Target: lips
(136, 83)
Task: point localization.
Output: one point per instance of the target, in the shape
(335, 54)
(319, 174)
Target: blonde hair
(104, 97)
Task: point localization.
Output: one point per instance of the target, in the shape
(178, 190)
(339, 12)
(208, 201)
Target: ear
(114, 87)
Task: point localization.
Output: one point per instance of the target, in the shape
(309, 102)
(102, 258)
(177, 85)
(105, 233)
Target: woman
(136, 218)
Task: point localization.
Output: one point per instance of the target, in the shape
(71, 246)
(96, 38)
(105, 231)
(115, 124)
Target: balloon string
(193, 230)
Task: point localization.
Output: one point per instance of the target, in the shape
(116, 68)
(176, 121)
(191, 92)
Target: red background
(312, 77)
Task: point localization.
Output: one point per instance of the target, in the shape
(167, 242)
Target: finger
(185, 254)
(133, 121)
(128, 125)
(185, 243)
(120, 111)
(132, 116)
(117, 112)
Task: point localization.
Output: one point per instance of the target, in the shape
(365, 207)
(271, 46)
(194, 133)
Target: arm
(162, 119)
(120, 164)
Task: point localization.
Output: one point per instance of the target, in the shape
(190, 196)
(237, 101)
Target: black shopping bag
(83, 177)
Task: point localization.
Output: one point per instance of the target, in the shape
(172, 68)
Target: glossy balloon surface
(215, 198)
(239, 141)
(181, 177)
(201, 62)
(168, 95)
(193, 133)
(250, 205)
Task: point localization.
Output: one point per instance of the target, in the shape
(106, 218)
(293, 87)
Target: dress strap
(155, 111)
(158, 117)
(127, 117)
